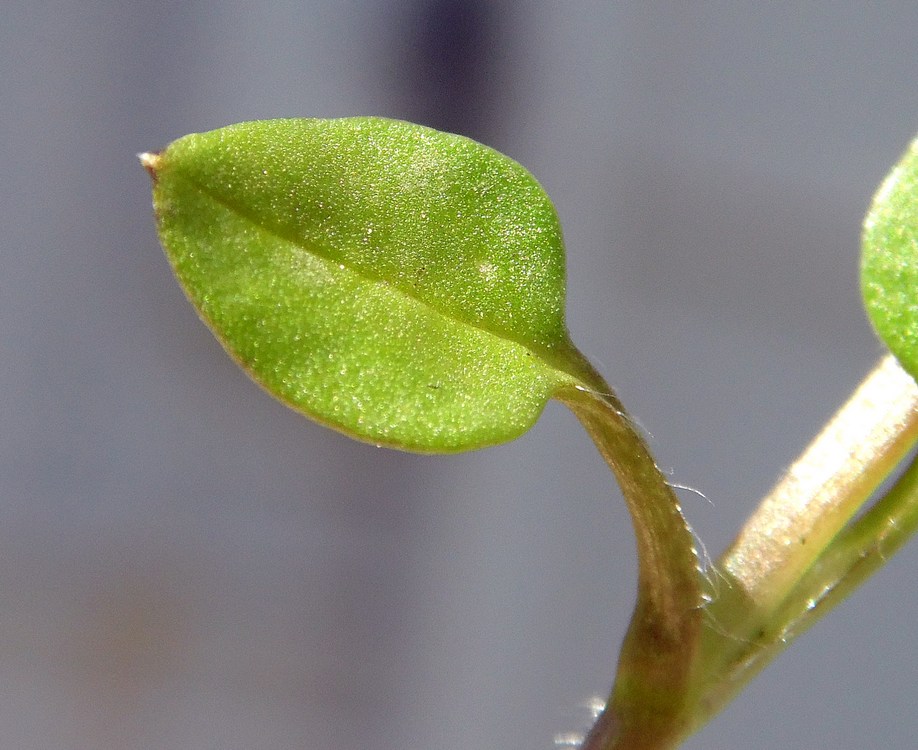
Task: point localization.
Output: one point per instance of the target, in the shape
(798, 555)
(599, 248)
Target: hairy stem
(647, 708)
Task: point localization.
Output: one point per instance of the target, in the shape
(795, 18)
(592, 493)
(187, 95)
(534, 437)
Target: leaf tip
(150, 162)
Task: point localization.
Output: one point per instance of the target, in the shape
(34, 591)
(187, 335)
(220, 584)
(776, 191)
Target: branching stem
(798, 555)
(800, 552)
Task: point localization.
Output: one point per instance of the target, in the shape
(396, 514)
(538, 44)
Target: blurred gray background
(186, 564)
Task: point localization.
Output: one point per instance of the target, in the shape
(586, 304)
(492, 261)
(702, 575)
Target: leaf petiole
(649, 701)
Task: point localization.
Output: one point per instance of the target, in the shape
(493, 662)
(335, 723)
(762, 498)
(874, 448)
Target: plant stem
(799, 554)
(647, 708)
(858, 551)
(792, 553)
(855, 452)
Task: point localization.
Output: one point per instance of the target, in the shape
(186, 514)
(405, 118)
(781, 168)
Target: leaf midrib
(252, 217)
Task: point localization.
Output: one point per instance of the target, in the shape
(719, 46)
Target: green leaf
(400, 284)
(889, 262)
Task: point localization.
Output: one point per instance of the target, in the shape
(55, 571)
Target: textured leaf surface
(889, 264)
(400, 284)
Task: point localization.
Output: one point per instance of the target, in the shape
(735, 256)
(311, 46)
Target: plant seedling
(406, 286)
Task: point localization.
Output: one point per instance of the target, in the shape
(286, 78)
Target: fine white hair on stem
(627, 416)
(596, 705)
(574, 739)
(568, 740)
(693, 490)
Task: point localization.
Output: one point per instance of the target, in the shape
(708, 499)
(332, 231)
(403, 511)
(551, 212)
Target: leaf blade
(349, 335)
(889, 261)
